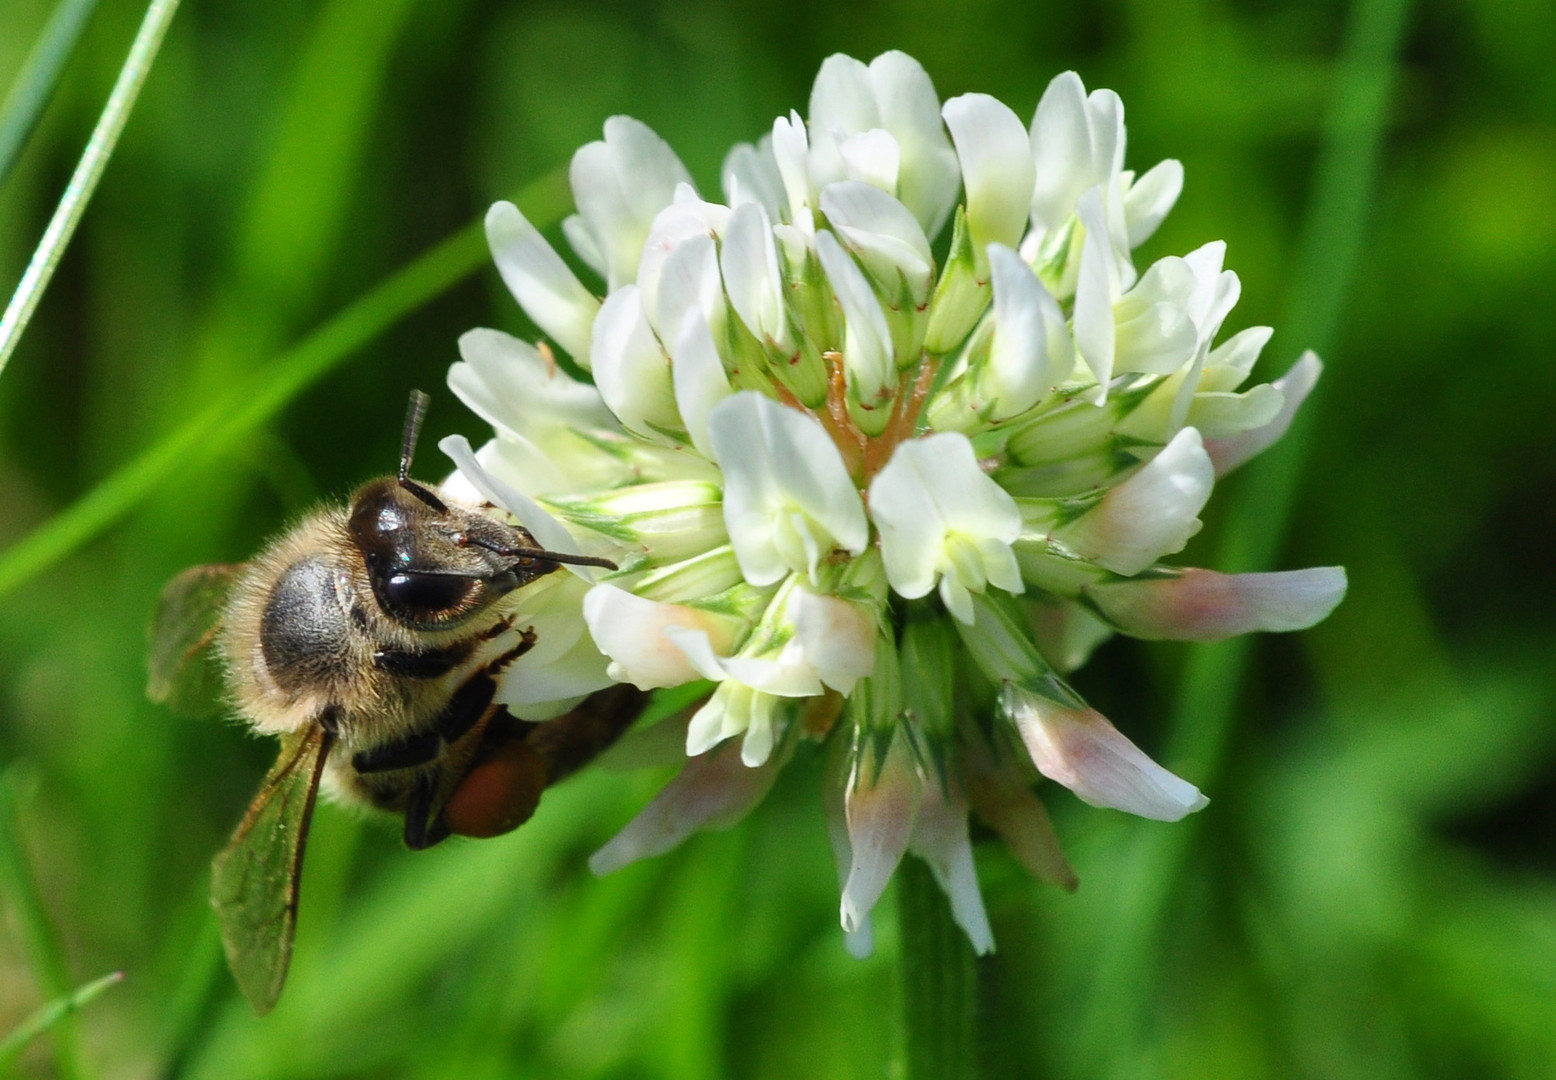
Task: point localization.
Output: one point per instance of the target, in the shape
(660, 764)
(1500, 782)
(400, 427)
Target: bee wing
(255, 879)
(181, 670)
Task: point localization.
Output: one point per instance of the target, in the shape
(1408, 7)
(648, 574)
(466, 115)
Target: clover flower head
(882, 499)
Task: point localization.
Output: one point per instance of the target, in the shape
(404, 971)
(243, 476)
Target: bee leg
(422, 830)
(403, 753)
(421, 665)
(465, 708)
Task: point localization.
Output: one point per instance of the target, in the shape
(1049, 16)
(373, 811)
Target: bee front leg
(423, 828)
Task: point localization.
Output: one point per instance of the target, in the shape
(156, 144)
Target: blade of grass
(43, 947)
(35, 83)
(1128, 970)
(89, 170)
(217, 429)
(49, 1016)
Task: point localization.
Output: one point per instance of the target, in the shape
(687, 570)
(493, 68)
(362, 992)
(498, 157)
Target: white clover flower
(875, 501)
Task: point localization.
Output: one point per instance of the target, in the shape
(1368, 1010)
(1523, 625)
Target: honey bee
(370, 638)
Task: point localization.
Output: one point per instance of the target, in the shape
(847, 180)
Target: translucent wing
(254, 881)
(182, 672)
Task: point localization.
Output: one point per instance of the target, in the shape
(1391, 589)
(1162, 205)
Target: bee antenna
(560, 557)
(415, 413)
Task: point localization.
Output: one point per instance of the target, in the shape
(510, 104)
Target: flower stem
(939, 982)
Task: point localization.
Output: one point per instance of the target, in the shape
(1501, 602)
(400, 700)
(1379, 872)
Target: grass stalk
(83, 182)
(35, 83)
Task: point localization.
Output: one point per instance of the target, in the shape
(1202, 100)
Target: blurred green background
(1372, 891)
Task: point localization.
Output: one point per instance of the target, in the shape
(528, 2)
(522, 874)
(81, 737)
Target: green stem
(35, 83)
(939, 982)
(89, 170)
(50, 1016)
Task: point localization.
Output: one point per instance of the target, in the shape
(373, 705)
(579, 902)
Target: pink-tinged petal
(860, 942)
(633, 632)
(881, 808)
(1153, 513)
(714, 791)
(1202, 605)
(540, 281)
(940, 839)
(997, 170)
(1296, 384)
(1003, 798)
(837, 637)
(1081, 750)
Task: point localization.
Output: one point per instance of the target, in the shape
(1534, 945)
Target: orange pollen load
(499, 794)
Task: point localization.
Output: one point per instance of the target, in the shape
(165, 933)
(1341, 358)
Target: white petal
(713, 791)
(931, 488)
(1081, 750)
(698, 378)
(1153, 513)
(630, 368)
(997, 168)
(940, 839)
(1096, 289)
(753, 278)
(540, 281)
(837, 636)
(1296, 384)
(1061, 146)
(881, 231)
(507, 383)
(842, 102)
(880, 811)
(867, 348)
(910, 109)
(632, 632)
(1151, 198)
(548, 532)
(871, 157)
(1031, 352)
(618, 186)
(1201, 605)
(750, 175)
(679, 269)
(791, 150)
(1241, 350)
(779, 462)
(576, 229)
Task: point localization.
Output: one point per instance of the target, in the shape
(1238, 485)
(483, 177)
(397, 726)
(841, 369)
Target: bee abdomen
(305, 631)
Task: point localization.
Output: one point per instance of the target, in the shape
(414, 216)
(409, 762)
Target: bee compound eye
(425, 593)
(499, 794)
